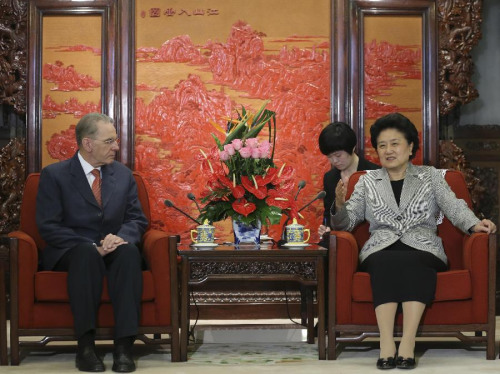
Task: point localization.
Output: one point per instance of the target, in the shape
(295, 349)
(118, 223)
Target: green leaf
(238, 131)
(274, 137)
(261, 111)
(215, 211)
(266, 117)
(219, 145)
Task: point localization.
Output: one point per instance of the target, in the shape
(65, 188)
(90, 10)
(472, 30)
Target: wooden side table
(227, 265)
(6, 244)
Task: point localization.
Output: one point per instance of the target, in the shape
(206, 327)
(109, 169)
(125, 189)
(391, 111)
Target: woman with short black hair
(337, 142)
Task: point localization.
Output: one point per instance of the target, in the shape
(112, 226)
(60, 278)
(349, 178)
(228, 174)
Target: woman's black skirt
(401, 273)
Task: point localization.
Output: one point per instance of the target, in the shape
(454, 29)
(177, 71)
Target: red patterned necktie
(96, 186)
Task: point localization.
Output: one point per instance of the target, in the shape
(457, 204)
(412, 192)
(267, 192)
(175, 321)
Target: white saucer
(265, 237)
(296, 245)
(205, 245)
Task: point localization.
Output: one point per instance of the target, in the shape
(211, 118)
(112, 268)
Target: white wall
(485, 110)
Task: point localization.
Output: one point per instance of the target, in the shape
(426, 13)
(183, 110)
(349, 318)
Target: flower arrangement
(242, 180)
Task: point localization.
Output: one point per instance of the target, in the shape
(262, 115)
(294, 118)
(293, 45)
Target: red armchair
(39, 299)
(465, 294)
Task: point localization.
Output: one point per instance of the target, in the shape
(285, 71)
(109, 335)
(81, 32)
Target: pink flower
(229, 149)
(224, 155)
(252, 142)
(255, 153)
(237, 144)
(265, 149)
(246, 152)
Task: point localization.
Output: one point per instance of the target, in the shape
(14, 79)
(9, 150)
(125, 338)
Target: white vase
(244, 233)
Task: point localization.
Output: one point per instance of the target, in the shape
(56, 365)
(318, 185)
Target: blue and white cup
(205, 234)
(295, 233)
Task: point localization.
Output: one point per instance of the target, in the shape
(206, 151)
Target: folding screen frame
(117, 68)
(347, 64)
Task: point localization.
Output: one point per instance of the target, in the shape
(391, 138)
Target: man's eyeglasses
(109, 141)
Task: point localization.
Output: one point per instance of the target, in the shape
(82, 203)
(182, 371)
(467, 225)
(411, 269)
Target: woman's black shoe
(386, 363)
(405, 363)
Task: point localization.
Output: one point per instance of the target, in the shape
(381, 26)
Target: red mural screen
(188, 80)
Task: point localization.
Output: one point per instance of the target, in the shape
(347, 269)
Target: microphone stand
(170, 204)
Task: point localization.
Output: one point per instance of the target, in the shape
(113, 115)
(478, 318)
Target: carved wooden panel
(13, 31)
(459, 31)
(452, 157)
(246, 297)
(200, 270)
(12, 172)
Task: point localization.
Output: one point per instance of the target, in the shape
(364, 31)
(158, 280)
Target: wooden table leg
(310, 314)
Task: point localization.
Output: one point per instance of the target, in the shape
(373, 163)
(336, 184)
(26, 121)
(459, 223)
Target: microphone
(301, 185)
(320, 195)
(170, 204)
(191, 196)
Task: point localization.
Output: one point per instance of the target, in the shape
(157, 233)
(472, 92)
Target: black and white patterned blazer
(424, 195)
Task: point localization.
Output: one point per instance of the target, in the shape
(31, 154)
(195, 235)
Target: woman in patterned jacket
(401, 202)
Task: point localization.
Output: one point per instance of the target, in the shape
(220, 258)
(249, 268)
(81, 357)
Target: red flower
(225, 181)
(260, 192)
(264, 180)
(278, 198)
(238, 192)
(243, 207)
(286, 174)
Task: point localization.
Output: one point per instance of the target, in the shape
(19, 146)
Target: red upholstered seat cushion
(451, 285)
(51, 286)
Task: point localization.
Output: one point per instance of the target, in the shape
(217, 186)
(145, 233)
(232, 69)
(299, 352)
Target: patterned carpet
(252, 353)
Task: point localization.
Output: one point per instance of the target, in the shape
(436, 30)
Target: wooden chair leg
(332, 344)
(14, 345)
(175, 346)
(3, 319)
(491, 347)
(14, 308)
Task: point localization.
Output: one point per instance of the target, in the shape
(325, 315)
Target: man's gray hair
(87, 126)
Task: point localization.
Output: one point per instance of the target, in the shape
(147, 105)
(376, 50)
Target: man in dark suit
(89, 214)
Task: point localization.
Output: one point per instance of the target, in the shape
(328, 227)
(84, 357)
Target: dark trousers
(86, 270)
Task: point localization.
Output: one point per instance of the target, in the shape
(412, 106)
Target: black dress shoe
(386, 363)
(122, 360)
(87, 360)
(406, 363)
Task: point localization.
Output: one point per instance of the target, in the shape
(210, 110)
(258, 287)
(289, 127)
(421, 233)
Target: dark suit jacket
(67, 213)
(330, 180)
